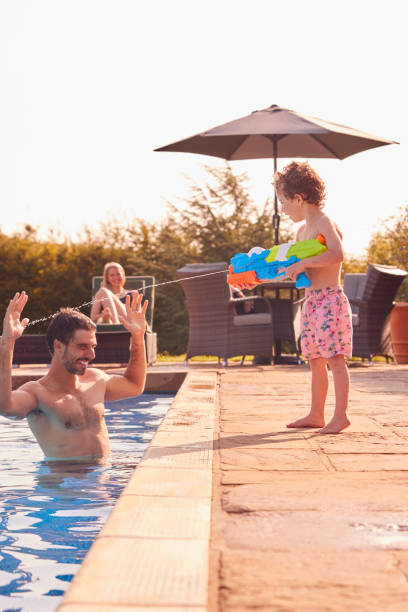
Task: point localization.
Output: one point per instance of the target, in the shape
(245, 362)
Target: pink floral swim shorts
(326, 324)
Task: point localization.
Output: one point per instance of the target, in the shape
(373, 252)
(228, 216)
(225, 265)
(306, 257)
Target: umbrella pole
(276, 216)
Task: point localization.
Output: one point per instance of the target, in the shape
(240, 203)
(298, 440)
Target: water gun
(266, 264)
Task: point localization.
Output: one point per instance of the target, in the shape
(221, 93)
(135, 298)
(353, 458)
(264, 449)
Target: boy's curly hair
(300, 178)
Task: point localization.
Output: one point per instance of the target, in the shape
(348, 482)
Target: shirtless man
(65, 408)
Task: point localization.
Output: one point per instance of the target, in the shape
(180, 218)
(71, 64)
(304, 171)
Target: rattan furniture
(215, 328)
(372, 298)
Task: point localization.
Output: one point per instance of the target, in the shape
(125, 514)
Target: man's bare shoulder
(93, 373)
(28, 397)
(32, 386)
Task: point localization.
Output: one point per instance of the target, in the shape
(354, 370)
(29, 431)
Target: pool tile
(200, 456)
(159, 517)
(154, 548)
(73, 607)
(142, 572)
(169, 482)
(176, 438)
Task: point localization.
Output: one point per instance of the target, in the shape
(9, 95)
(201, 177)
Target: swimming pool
(51, 512)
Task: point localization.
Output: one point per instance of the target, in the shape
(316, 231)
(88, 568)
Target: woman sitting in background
(110, 298)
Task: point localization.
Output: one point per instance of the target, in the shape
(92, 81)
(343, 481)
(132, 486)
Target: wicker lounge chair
(371, 298)
(215, 327)
(31, 348)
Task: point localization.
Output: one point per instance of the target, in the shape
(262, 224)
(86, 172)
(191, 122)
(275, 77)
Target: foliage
(220, 219)
(53, 274)
(355, 265)
(217, 221)
(390, 246)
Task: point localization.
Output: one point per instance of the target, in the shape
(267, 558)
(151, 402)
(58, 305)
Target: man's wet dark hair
(64, 325)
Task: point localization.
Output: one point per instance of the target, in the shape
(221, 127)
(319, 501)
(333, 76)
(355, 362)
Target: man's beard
(72, 366)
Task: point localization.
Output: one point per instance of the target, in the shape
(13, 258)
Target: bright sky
(91, 87)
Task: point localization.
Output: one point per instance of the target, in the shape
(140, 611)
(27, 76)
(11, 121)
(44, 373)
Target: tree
(54, 274)
(217, 221)
(220, 219)
(390, 246)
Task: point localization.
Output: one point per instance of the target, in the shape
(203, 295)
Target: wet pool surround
(154, 548)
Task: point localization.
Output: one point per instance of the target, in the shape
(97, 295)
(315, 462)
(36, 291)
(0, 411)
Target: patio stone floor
(262, 518)
(308, 522)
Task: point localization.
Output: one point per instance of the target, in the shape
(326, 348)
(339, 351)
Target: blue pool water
(51, 512)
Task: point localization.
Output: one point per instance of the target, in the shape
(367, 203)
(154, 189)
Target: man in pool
(65, 408)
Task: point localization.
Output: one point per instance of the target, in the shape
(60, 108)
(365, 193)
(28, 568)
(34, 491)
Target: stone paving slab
(331, 581)
(373, 462)
(317, 530)
(309, 522)
(271, 459)
(269, 440)
(256, 426)
(289, 492)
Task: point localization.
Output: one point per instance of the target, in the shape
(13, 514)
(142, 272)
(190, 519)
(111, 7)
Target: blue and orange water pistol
(260, 265)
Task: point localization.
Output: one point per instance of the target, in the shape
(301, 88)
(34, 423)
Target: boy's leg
(320, 384)
(341, 379)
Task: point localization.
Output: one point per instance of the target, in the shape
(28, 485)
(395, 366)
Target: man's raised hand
(135, 319)
(13, 328)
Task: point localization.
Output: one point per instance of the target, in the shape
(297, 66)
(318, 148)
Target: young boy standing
(326, 315)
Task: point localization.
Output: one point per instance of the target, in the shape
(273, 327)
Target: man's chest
(80, 409)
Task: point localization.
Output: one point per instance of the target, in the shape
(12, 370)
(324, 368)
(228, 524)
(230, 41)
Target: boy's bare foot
(335, 426)
(307, 421)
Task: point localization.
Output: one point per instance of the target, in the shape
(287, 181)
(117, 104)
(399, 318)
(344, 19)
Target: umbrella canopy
(278, 132)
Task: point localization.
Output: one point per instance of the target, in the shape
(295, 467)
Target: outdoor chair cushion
(257, 318)
(355, 319)
(354, 288)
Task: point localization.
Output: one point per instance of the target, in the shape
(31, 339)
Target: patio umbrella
(278, 132)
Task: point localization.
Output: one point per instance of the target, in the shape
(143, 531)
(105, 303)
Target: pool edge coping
(164, 514)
